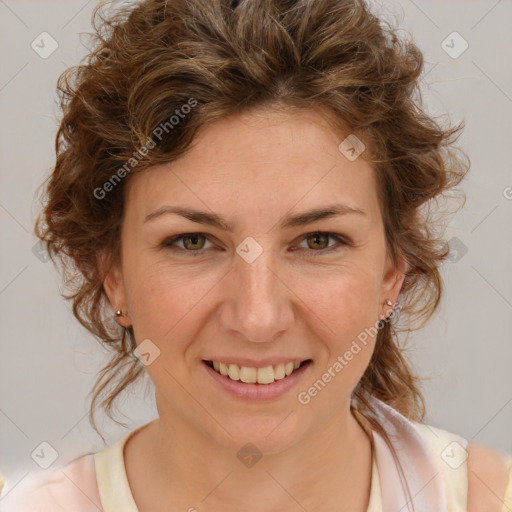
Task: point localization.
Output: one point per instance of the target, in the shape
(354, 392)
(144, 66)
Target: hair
(178, 65)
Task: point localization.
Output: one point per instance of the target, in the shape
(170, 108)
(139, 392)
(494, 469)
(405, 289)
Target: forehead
(257, 161)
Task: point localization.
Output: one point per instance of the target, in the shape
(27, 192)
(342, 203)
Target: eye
(319, 239)
(194, 243)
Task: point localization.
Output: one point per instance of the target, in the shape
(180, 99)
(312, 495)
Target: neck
(169, 461)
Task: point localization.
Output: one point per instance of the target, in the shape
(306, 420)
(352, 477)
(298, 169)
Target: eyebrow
(213, 219)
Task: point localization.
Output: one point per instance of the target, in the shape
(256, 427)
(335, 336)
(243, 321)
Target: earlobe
(113, 285)
(394, 276)
(114, 288)
(392, 282)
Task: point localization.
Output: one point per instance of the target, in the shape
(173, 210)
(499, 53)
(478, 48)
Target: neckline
(115, 492)
(112, 480)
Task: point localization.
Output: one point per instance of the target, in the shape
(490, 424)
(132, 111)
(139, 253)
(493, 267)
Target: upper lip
(261, 363)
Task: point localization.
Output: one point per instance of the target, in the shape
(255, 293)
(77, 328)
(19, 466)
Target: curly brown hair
(222, 57)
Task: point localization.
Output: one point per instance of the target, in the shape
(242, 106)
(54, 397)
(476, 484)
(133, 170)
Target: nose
(257, 303)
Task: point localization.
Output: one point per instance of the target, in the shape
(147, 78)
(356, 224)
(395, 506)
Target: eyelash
(168, 243)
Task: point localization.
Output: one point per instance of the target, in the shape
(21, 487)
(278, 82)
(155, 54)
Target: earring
(118, 314)
(390, 304)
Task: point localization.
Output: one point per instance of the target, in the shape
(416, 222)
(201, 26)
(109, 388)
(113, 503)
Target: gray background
(48, 361)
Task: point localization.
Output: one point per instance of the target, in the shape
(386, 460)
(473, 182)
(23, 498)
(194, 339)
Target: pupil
(318, 236)
(194, 239)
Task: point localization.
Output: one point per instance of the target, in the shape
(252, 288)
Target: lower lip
(258, 391)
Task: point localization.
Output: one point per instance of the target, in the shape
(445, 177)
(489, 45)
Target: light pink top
(432, 459)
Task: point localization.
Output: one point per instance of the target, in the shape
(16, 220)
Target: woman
(243, 185)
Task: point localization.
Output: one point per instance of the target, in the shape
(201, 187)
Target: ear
(114, 287)
(393, 278)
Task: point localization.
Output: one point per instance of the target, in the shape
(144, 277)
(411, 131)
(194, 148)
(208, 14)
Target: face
(264, 291)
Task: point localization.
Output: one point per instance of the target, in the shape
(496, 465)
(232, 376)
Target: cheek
(343, 306)
(346, 300)
(163, 301)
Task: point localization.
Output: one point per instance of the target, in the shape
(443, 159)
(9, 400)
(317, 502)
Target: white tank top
(432, 458)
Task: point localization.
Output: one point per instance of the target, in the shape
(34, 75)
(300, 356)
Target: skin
(488, 475)
(253, 169)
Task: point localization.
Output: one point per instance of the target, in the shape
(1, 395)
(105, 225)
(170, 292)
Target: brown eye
(318, 243)
(318, 240)
(192, 243)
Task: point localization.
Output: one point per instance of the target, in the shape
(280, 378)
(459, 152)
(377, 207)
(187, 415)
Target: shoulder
(72, 487)
(489, 479)
(478, 478)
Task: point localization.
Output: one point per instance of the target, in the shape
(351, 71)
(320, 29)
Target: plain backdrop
(48, 362)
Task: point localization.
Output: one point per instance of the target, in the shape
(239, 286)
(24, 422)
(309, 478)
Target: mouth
(253, 385)
(261, 376)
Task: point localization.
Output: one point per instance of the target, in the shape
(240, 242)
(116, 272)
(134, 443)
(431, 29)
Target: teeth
(279, 372)
(249, 375)
(266, 375)
(223, 368)
(234, 372)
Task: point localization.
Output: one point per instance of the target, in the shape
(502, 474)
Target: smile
(251, 375)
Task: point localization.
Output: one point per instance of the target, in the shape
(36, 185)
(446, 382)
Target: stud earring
(118, 314)
(390, 304)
